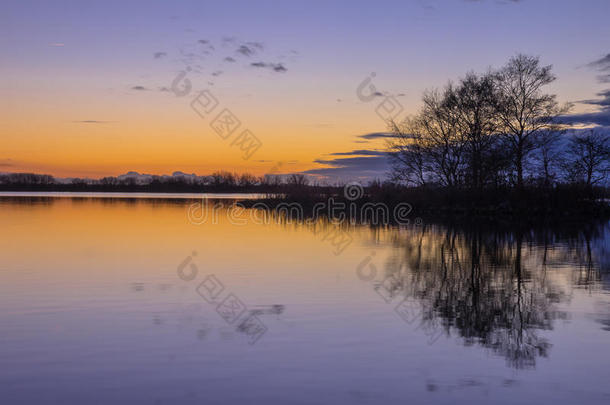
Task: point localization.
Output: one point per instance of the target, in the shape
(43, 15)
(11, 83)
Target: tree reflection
(491, 288)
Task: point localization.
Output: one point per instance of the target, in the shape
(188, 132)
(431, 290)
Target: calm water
(166, 196)
(106, 301)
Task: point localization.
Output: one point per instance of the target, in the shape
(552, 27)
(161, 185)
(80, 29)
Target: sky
(92, 89)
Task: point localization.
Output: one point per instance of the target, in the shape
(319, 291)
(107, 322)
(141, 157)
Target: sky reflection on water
(93, 310)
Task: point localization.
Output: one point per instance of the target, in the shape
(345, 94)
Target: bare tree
(472, 103)
(589, 158)
(451, 140)
(408, 153)
(549, 155)
(523, 108)
(247, 180)
(298, 180)
(444, 141)
(223, 178)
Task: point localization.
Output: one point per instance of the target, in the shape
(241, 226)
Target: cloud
(352, 168)
(250, 48)
(57, 44)
(207, 44)
(361, 152)
(276, 67)
(377, 135)
(257, 45)
(139, 88)
(228, 40)
(594, 118)
(229, 59)
(602, 65)
(245, 50)
(601, 117)
(159, 55)
(604, 101)
(217, 73)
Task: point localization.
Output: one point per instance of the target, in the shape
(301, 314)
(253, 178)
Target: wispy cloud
(352, 168)
(276, 67)
(604, 101)
(377, 135)
(139, 88)
(602, 65)
(603, 62)
(360, 152)
(201, 54)
(245, 50)
(601, 117)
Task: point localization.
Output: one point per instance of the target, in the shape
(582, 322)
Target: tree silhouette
(489, 287)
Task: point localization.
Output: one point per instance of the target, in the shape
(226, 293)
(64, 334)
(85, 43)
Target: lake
(130, 301)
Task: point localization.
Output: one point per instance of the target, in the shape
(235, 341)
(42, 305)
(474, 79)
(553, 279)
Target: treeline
(497, 130)
(221, 181)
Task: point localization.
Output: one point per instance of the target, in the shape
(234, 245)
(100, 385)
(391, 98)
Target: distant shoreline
(132, 194)
(500, 204)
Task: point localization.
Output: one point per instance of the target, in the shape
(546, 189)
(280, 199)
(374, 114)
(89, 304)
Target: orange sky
(82, 85)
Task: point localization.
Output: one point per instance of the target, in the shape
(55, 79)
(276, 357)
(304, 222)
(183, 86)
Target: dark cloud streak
(276, 67)
(360, 152)
(601, 117)
(377, 135)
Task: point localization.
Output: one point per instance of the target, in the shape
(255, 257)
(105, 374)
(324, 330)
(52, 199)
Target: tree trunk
(519, 158)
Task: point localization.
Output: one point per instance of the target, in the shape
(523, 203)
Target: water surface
(92, 194)
(102, 301)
